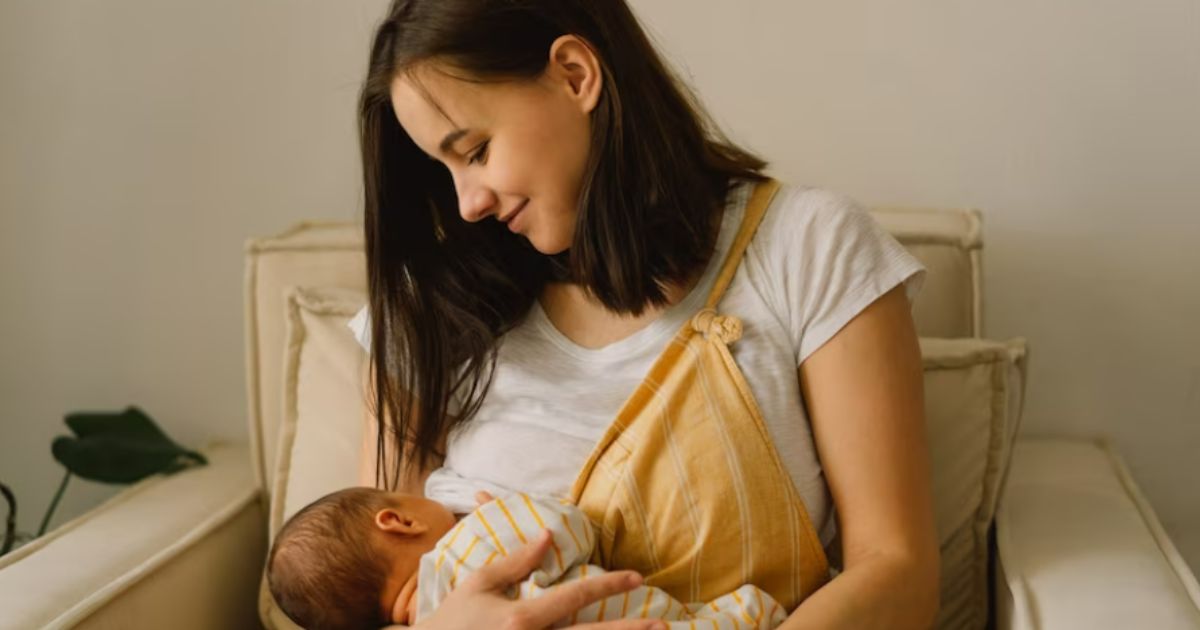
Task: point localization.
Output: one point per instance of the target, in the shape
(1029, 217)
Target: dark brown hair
(443, 290)
(325, 569)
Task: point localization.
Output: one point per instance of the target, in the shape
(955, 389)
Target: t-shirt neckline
(669, 322)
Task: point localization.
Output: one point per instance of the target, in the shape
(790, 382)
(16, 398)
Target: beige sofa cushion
(321, 433)
(974, 393)
(1080, 547)
(322, 411)
(310, 254)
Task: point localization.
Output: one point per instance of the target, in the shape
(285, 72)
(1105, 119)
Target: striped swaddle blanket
(499, 527)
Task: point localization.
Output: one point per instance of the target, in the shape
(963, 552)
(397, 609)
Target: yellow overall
(686, 485)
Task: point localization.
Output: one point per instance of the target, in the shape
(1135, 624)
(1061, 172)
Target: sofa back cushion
(321, 426)
(974, 398)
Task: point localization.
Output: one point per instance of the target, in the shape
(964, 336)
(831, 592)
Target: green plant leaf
(132, 423)
(121, 447)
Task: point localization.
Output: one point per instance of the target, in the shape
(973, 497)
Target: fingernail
(635, 579)
(658, 625)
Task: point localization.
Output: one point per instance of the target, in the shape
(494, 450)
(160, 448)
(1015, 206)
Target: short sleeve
(360, 326)
(829, 259)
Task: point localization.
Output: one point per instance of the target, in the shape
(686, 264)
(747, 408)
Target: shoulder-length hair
(442, 291)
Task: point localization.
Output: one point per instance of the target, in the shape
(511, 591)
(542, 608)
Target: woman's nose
(475, 203)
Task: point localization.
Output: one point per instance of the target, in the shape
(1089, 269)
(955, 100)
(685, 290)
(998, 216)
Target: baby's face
(409, 528)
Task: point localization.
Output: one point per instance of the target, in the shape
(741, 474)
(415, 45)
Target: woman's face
(510, 146)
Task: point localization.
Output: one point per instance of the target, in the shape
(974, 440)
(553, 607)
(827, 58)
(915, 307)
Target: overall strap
(756, 207)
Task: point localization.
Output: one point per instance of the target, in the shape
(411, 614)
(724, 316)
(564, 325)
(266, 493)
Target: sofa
(1036, 531)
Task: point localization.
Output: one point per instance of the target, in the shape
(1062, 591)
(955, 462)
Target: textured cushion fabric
(313, 254)
(1081, 546)
(320, 429)
(210, 584)
(974, 390)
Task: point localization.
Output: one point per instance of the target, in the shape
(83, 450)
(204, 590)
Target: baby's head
(350, 558)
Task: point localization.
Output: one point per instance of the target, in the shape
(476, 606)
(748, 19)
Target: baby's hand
(482, 497)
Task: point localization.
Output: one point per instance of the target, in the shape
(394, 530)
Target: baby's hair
(325, 570)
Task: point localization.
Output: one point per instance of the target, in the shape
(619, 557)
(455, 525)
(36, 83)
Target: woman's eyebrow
(452, 137)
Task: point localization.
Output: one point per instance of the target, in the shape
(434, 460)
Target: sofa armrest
(179, 551)
(1080, 547)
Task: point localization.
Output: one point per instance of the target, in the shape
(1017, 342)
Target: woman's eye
(479, 154)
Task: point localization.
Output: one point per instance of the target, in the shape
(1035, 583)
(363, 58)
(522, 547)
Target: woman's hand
(479, 601)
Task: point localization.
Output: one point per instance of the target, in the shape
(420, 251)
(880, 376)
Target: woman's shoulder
(821, 257)
(801, 207)
(803, 218)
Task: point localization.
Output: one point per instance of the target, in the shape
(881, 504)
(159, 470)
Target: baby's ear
(398, 521)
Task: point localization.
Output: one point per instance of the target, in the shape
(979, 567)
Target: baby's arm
(456, 555)
(746, 607)
(512, 520)
(496, 529)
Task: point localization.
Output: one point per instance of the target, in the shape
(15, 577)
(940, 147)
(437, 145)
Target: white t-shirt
(816, 260)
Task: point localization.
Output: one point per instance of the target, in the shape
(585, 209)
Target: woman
(546, 205)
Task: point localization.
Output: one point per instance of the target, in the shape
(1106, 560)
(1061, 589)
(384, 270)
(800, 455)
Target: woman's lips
(512, 219)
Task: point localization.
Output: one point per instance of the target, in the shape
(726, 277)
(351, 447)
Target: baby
(365, 558)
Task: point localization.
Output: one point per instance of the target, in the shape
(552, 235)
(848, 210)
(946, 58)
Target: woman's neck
(556, 295)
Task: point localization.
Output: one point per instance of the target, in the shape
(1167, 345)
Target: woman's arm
(864, 391)
(411, 482)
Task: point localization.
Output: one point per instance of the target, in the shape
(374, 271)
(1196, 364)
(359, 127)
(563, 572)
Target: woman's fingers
(561, 601)
(483, 496)
(558, 603)
(512, 568)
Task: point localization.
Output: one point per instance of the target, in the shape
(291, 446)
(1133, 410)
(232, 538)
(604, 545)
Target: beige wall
(141, 143)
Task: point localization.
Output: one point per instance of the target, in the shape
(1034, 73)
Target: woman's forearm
(881, 592)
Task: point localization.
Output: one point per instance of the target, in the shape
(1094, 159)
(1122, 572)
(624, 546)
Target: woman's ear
(574, 61)
(397, 521)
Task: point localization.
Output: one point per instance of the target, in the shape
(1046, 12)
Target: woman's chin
(548, 248)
